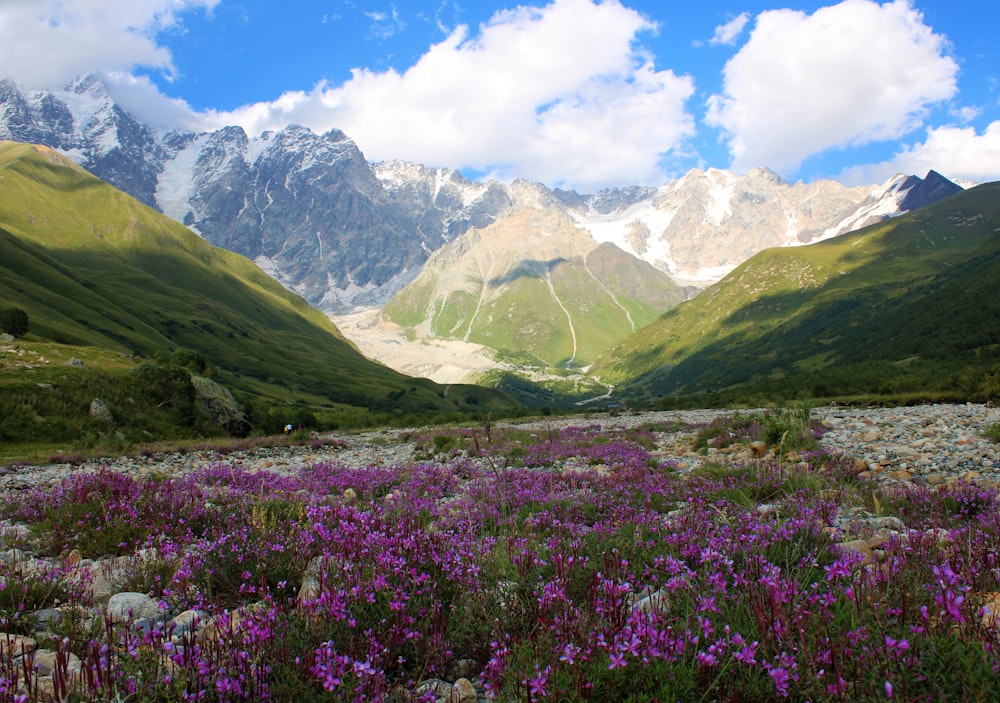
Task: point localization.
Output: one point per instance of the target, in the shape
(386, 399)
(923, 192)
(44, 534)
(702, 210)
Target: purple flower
(569, 653)
(781, 678)
(536, 685)
(896, 645)
(616, 660)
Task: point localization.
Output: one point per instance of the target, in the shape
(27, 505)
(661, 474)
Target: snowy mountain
(347, 234)
(701, 226)
(86, 125)
(533, 281)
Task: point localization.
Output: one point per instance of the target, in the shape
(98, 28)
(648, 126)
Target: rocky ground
(927, 444)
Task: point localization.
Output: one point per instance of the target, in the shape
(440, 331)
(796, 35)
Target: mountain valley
(439, 276)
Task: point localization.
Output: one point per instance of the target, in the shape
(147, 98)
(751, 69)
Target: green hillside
(532, 283)
(93, 267)
(908, 306)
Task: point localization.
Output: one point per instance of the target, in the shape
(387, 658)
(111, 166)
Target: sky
(576, 94)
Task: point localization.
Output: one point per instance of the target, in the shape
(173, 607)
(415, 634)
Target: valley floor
(925, 445)
(440, 360)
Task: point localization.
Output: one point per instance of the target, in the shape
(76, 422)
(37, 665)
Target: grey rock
(133, 607)
(462, 691)
(46, 660)
(100, 411)
(217, 402)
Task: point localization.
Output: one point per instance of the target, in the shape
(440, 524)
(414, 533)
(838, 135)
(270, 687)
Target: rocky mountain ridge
(347, 234)
(534, 282)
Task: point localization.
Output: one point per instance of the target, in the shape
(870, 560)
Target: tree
(165, 385)
(190, 359)
(14, 321)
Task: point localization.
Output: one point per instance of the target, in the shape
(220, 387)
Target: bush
(992, 432)
(790, 428)
(14, 321)
(192, 360)
(166, 385)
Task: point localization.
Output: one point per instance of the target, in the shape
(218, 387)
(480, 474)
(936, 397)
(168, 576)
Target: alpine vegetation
(516, 563)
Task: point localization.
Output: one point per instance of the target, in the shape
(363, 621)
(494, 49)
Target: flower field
(572, 565)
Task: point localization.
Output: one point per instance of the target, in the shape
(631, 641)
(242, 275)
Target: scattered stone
(186, 622)
(216, 401)
(650, 601)
(989, 603)
(101, 412)
(462, 691)
(46, 661)
(15, 645)
(441, 689)
(76, 363)
(315, 576)
(132, 607)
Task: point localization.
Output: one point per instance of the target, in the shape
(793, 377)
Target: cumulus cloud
(44, 43)
(955, 152)
(559, 94)
(849, 74)
(727, 33)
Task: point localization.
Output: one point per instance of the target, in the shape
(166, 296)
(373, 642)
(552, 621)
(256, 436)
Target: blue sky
(573, 93)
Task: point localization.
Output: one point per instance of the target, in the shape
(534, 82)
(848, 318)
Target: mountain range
(347, 234)
(548, 277)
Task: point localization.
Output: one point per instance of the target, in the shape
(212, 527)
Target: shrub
(14, 321)
(790, 428)
(992, 432)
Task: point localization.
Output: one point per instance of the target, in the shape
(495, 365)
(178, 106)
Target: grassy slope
(532, 308)
(909, 298)
(92, 266)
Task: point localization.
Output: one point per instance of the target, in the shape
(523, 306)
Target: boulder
(13, 646)
(130, 607)
(216, 401)
(100, 411)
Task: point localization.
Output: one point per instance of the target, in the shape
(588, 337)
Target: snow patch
(719, 205)
(615, 227)
(257, 146)
(175, 185)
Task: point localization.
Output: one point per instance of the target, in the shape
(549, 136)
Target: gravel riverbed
(927, 444)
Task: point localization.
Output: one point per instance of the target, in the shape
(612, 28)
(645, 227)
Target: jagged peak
(530, 194)
(336, 135)
(88, 84)
(765, 173)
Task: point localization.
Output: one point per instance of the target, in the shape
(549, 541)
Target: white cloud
(558, 94)
(385, 23)
(849, 74)
(954, 152)
(727, 33)
(141, 97)
(44, 43)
